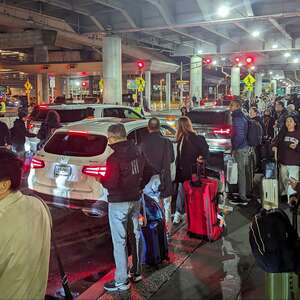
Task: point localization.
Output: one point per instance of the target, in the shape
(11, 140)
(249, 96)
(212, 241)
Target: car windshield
(209, 117)
(66, 115)
(76, 144)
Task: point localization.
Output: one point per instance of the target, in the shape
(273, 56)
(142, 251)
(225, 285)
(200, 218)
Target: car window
(130, 114)
(113, 113)
(66, 115)
(138, 135)
(210, 117)
(167, 131)
(76, 144)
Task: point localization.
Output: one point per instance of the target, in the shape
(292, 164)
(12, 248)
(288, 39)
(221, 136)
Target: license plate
(62, 170)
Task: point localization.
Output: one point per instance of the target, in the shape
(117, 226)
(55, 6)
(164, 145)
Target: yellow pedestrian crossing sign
(249, 80)
(140, 82)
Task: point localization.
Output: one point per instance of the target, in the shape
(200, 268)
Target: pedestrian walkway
(224, 269)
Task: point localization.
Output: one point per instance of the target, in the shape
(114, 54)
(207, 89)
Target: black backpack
(255, 133)
(274, 241)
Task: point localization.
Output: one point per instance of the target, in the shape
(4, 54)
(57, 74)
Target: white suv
(72, 113)
(65, 171)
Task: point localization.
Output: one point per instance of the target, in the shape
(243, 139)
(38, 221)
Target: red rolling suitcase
(201, 209)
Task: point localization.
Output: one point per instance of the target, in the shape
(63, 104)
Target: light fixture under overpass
(223, 11)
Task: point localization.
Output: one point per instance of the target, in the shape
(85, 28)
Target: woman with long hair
(287, 147)
(191, 149)
(51, 123)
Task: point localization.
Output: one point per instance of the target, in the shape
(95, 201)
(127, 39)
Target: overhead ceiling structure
(165, 29)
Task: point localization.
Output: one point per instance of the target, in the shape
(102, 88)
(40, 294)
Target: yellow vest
(138, 110)
(3, 107)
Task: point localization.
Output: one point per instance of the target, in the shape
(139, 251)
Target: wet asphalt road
(85, 248)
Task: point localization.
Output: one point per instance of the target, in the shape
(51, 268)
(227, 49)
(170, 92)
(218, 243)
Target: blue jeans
(180, 199)
(122, 216)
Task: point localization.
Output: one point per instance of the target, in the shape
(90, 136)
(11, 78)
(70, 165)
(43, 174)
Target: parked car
(71, 113)
(64, 172)
(215, 124)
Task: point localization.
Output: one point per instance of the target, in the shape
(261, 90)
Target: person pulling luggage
(191, 148)
(123, 181)
(160, 186)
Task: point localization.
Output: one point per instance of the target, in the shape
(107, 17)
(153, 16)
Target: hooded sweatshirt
(124, 173)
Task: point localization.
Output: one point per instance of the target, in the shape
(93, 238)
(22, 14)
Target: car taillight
(222, 130)
(37, 163)
(94, 170)
(29, 124)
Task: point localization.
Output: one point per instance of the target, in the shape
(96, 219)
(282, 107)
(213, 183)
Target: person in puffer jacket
(240, 149)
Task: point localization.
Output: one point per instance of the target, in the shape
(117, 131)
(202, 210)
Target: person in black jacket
(51, 123)
(4, 135)
(191, 149)
(123, 182)
(160, 162)
(19, 133)
(287, 147)
(254, 115)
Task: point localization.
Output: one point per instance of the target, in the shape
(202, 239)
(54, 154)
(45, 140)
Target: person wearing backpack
(240, 150)
(287, 146)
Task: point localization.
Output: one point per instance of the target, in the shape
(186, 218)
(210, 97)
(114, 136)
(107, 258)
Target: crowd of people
(134, 171)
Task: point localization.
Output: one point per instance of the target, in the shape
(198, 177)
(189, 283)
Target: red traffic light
(237, 60)
(140, 65)
(249, 60)
(207, 60)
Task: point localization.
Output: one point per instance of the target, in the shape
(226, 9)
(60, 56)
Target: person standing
(160, 185)
(287, 147)
(191, 149)
(254, 115)
(123, 181)
(280, 115)
(19, 133)
(5, 140)
(240, 150)
(25, 234)
(51, 123)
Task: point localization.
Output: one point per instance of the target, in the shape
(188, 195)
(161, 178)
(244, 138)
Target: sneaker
(177, 218)
(135, 277)
(112, 286)
(238, 201)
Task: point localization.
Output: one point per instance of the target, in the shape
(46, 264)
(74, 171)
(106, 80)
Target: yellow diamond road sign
(249, 80)
(140, 82)
(27, 86)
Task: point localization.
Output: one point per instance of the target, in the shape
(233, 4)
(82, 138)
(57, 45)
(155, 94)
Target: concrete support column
(45, 88)
(274, 86)
(112, 69)
(40, 55)
(258, 84)
(67, 88)
(39, 88)
(196, 77)
(91, 85)
(168, 90)
(235, 81)
(148, 89)
(58, 90)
